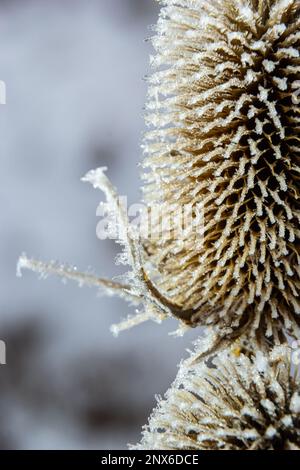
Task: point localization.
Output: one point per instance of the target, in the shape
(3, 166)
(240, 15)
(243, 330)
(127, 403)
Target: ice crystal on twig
(71, 273)
(243, 401)
(139, 289)
(224, 108)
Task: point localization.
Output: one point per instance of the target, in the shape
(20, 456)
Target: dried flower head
(242, 402)
(225, 110)
(224, 104)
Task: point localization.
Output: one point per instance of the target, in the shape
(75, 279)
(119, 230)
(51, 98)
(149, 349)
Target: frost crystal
(229, 405)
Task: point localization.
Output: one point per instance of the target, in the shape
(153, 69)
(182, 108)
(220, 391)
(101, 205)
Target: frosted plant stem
(145, 286)
(71, 273)
(99, 180)
(130, 322)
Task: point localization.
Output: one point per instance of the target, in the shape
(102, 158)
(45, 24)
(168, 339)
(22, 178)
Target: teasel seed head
(225, 109)
(240, 401)
(224, 106)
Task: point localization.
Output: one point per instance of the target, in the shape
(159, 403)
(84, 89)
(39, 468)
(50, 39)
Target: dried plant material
(224, 107)
(240, 402)
(71, 273)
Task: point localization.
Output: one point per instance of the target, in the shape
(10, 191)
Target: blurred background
(75, 96)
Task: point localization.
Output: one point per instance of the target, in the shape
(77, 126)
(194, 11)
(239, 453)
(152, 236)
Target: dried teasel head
(238, 402)
(224, 106)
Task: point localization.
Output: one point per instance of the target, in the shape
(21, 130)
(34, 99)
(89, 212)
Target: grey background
(75, 98)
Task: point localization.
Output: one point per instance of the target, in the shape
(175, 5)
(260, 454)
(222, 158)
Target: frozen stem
(71, 273)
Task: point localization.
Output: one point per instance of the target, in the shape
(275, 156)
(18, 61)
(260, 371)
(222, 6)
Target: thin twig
(71, 273)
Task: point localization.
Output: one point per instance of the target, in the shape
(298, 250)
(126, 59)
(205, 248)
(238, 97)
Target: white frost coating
(279, 29)
(71, 273)
(250, 76)
(246, 59)
(258, 127)
(263, 93)
(258, 45)
(268, 406)
(295, 403)
(23, 263)
(282, 83)
(290, 52)
(271, 432)
(287, 421)
(261, 362)
(98, 178)
(246, 12)
(269, 65)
